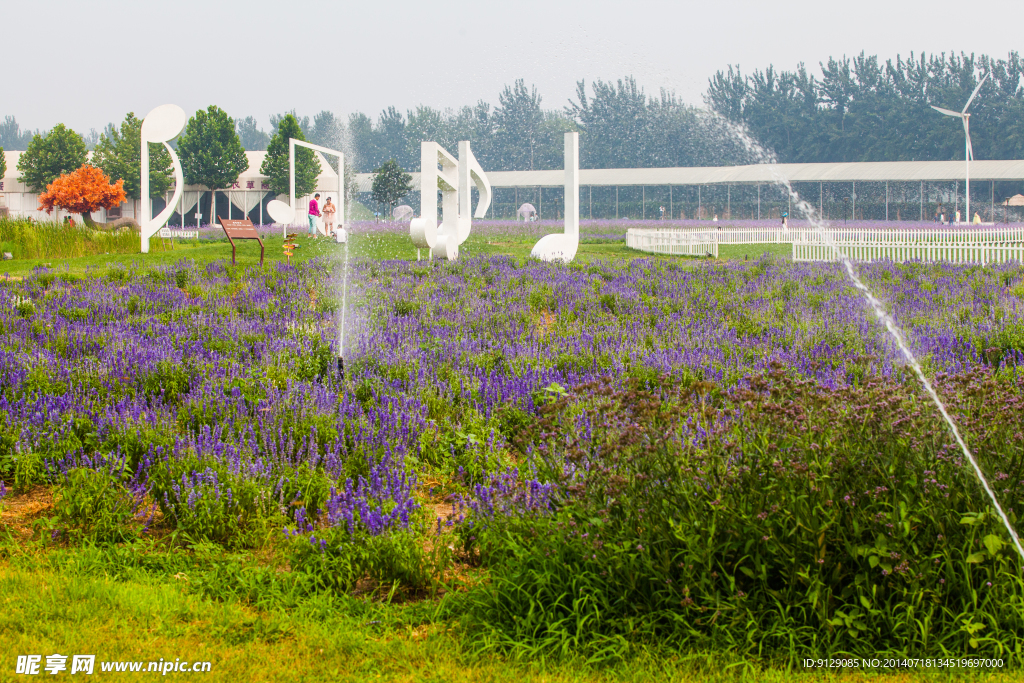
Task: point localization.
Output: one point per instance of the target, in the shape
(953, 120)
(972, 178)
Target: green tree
(328, 131)
(364, 140)
(50, 156)
(275, 164)
(211, 153)
(390, 184)
(276, 119)
(11, 135)
(119, 154)
(517, 122)
(252, 136)
(3, 163)
(861, 109)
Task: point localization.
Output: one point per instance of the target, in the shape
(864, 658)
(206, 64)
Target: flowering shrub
(83, 191)
(691, 516)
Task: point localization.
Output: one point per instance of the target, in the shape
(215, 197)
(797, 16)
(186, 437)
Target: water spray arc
(890, 325)
(285, 214)
(344, 307)
(883, 316)
(965, 118)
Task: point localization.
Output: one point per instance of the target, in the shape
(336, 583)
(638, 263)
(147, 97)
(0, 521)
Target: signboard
(240, 230)
(167, 234)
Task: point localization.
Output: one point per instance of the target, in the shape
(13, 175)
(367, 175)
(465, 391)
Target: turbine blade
(973, 94)
(947, 112)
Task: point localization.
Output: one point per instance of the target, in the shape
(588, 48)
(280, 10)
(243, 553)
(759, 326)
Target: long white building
(251, 193)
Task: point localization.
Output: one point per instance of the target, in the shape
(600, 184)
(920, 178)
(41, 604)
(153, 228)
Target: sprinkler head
(341, 368)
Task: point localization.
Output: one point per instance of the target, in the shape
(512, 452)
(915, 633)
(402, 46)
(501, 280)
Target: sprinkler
(341, 368)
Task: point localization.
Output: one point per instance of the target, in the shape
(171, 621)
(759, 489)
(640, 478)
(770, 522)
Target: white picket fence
(954, 252)
(676, 242)
(972, 234)
(964, 234)
(980, 244)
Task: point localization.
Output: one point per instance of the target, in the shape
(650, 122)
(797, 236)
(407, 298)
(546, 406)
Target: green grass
(26, 240)
(754, 251)
(162, 254)
(79, 250)
(140, 603)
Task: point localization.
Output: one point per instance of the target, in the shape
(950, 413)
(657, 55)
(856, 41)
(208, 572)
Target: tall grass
(777, 521)
(31, 240)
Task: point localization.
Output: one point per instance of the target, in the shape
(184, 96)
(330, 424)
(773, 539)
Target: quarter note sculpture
(563, 246)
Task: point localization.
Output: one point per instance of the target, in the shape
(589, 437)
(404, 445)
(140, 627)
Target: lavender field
(591, 458)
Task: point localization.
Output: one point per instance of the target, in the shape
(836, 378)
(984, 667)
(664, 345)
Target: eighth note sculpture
(452, 179)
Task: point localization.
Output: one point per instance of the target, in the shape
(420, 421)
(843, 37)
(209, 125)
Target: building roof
(868, 171)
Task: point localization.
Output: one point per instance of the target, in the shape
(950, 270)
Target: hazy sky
(86, 63)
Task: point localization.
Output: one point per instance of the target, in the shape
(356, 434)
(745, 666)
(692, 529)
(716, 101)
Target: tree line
(857, 109)
(861, 109)
(210, 151)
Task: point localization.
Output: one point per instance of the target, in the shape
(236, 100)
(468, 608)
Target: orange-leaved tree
(83, 191)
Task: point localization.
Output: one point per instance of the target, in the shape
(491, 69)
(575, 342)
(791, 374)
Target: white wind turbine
(969, 151)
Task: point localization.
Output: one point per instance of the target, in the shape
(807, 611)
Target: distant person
(715, 219)
(785, 224)
(957, 217)
(329, 210)
(662, 210)
(977, 218)
(314, 213)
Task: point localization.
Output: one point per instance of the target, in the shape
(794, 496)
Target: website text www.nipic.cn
(86, 664)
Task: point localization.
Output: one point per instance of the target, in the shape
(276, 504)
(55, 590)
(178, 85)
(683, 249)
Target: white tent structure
(248, 196)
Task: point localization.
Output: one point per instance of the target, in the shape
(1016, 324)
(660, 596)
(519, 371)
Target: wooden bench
(240, 230)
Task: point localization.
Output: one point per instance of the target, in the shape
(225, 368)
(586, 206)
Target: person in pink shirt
(314, 213)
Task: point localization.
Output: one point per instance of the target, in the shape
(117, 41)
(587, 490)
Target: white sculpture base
(557, 247)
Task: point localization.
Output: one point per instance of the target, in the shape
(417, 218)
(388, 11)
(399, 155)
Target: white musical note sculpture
(281, 212)
(452, 179)
(563, 247)
(163, 124)
(292, 144)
